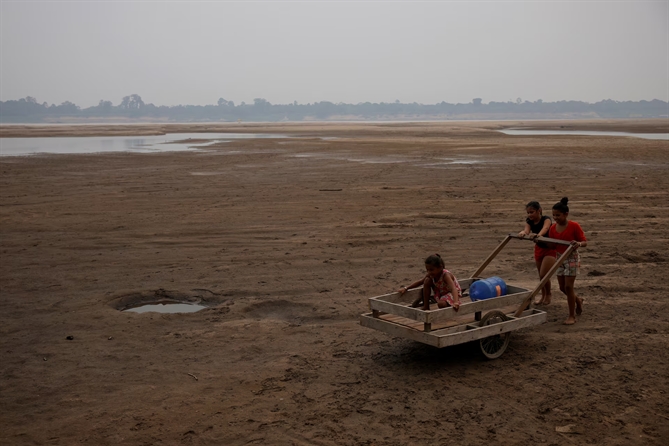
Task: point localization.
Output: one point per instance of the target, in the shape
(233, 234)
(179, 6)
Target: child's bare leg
(571, 298)
(540, 300)
(427, 291)
(563, 287)
(579, 304)
(561, 284)
(546, 264)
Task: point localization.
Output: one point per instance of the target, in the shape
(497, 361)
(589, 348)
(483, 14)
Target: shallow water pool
(522, 132)
(167, 308)
(136, 144)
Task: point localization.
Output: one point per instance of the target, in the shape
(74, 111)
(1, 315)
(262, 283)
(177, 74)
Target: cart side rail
(393, 329)
(397, 304)
(415, 293)
(474, 307)
(528, 318)
(454, 335)
(380, 304)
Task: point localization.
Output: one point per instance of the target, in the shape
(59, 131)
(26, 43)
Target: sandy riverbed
(285, 239)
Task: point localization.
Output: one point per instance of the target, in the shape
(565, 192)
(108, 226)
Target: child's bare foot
(547, 299)
(571, 320)
(539, 300)
(579, 306)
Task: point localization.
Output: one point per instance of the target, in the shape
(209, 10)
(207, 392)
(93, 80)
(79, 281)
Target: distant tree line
(132, 107)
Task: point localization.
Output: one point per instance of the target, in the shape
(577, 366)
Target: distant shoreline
(307, 122)
(473, 118)
(381, 128)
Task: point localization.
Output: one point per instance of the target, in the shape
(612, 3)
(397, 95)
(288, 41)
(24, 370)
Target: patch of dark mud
(646, 257)
(292, 312)
(596, 273)
(206, 298)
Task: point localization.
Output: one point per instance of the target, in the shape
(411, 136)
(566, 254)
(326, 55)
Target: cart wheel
(492, 347)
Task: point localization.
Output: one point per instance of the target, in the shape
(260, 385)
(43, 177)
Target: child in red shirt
(570, 231)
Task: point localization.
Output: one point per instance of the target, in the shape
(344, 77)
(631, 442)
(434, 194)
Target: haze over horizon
(196, 52)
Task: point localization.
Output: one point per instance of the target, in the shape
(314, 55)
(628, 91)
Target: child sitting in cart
(446, 288)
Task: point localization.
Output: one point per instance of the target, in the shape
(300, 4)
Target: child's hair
(534, 205)
(562, 205)
(435, 260)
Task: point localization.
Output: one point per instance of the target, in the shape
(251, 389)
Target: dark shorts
(540, 253)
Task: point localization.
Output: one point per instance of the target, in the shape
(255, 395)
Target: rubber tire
(493, 347)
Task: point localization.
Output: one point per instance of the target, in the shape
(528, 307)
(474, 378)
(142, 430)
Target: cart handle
(542, 239)
(490, 258)
(501, 246)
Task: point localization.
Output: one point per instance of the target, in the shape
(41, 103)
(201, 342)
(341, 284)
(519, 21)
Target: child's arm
(454, 292)
(416, 284)
(579, 237)
(544, 230)
(525, 231)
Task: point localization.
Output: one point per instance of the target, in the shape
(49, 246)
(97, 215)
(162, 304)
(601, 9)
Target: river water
(168, 143)
(521, 132)
(135, 144)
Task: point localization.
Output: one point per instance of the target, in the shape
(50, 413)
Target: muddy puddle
(166, 308)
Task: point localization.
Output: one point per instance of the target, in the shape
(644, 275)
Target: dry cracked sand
(284, 240)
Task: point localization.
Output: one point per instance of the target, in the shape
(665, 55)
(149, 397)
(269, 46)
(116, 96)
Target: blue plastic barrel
(487, 288)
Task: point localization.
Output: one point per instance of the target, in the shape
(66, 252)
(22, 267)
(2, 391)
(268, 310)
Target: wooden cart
(489, 321)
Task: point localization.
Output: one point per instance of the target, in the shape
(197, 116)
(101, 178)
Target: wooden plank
(528, 312)
(407, 297)
(415, 293)
(441, 314)
(449, 330)
(545, 279)
(453, 335)
(366, 320)
(403, 321)
(452, 326)
(512, 289)
(465, 283)
(538, 317)
(473, 307)
(395, 303)
(437, 326)
(399, 310)
(490, 258)
(449, 325)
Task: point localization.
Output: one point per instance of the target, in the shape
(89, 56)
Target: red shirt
(573, 231)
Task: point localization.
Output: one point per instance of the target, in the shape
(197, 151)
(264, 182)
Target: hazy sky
(190, 52)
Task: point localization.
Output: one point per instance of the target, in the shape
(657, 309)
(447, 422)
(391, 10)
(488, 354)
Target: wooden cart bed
(489, 321)
(441, 327)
